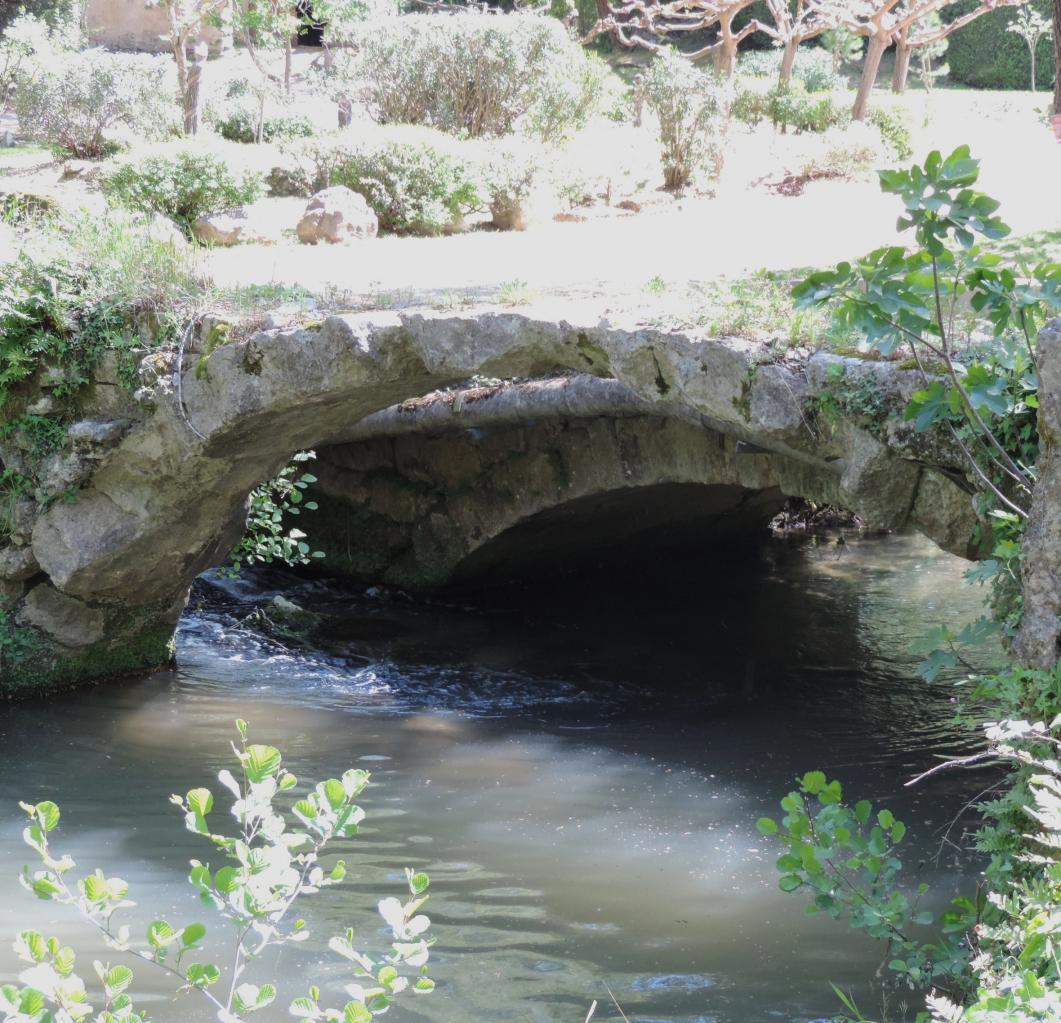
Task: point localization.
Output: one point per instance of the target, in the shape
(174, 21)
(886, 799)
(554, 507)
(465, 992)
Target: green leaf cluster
(271, 860)
(268, 538)
(844, 859)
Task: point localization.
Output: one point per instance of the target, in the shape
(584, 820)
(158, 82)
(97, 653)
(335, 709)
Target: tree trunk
(878, 43)
(788, 61)
(726, 54)
(1031, 50)
(193, 93)
(287, 67)
(902, 66)
(1057, 56)
(346, 112)
(227, 43)
(1036, 644)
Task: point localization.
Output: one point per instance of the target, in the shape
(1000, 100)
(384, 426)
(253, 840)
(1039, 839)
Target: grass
(517, 293)
(1038, 247)
(259, 297)
(759, 307)
(21, 156)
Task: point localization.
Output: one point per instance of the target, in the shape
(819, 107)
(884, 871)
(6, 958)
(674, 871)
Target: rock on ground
(337, 214)
(263, 222)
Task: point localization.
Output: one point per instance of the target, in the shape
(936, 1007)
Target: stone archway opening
(652, 530)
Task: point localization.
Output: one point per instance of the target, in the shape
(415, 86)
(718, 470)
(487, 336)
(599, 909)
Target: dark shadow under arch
(634, 525)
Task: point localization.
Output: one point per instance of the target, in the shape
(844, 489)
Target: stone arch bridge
(608, 429)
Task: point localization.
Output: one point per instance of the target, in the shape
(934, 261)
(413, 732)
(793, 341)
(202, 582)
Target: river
(579, 770)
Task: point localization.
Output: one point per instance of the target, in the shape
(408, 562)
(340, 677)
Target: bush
(750, 106)
(794, 108)
(894, 129)
(693, 109)
(476, 74)
(182, 187)
(516, 178)
(74, 103)
(240, 124)
(984, 55)
(260, 867)
(73, 292)
(417, 180)
(813, 68)
(57, 14)
(848, 153)
(28, 42)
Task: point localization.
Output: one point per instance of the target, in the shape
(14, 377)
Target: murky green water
(580, 775)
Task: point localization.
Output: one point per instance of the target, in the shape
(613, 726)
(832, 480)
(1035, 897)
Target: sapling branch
(255, 894)
(103, 926)
(970, 457)
(1009, 466)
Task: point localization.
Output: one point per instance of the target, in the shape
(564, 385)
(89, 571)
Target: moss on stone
(147, 650)
(220, 334)
(743, 403)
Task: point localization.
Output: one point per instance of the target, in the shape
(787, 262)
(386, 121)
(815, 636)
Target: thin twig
(975, 758)
(616, 1004)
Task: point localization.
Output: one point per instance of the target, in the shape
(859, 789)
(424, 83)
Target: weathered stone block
(67, 620)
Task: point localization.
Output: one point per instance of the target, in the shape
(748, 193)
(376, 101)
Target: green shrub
(183, 187)
(73, 292)
(794, 108)
(750, 106)
(894, 129)
(514, 175)
(474, 74)
(56, 13)
(813, 67)
(984, 55)
(417, 180)
(30, 42)
(240, 124)
(693, 109)
(76, 102)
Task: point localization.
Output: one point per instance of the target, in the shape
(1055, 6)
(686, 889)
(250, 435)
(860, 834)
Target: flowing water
(580, 772)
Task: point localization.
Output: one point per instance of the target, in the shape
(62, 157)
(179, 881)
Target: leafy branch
(899, 298)
(271, 862)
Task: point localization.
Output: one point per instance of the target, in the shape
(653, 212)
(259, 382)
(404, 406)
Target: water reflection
(579, 771)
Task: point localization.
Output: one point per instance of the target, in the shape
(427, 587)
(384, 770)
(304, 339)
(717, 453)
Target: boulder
(163, 230)
(67, 620)
(875, 484)
(83, 170)
(91, 435)
(337, 214)
(260, 222)
(17, 564)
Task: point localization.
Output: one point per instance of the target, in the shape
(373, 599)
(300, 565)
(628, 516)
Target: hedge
(54, 12)
(985, 55)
